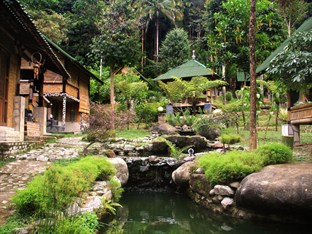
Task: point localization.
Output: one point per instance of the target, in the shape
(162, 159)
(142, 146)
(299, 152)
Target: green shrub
(12, 224)
(147, 112)
(83, 224)
(116, 188)
(230, 138)
(60, 185)
(274, 153)
(233, 166)
(229, 96)
(208, 126)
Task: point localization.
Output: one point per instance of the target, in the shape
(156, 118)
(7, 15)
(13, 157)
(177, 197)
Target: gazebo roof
(187, 70)
(306, 26)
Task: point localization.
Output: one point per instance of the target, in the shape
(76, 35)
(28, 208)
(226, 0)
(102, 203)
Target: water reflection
(169, 213)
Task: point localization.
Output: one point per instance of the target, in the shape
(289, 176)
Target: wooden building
(37, 79)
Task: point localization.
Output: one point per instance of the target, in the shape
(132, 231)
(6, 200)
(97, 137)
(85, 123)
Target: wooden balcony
(301, 114)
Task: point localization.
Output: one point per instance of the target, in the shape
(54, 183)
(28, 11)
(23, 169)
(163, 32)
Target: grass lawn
(132, 133)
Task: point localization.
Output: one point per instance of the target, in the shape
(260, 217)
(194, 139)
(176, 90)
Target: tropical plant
(153, 9)
(292, 66)
(179, 90)
(229, 44)
(174, 151)
(278, 93)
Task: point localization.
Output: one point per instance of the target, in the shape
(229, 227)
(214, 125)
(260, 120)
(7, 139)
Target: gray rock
(227, 202)
(280, 189)
(223, 190)
(199, 171)
(200, 184)
(212, 192)
(234, 185)
(129, 147)
(92, 203)
(99, 186)
(42, 158)
(122, 169)
(181, 176)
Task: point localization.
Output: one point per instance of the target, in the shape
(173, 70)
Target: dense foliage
(226, 168)
(48, 196)
(292, 65)
(235, 165)
(57, 188)
(175, 49)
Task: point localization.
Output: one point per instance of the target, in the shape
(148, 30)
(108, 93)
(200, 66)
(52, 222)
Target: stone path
(15, 175)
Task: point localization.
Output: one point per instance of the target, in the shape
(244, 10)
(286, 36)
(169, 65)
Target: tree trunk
(142, 48)
(223, 87)
(157, 36)
(289, 27)
(112, 96)
(253, 91)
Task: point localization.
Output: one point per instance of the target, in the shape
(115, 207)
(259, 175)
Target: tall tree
(85, 16)
(175, 49)
(149, 10)
(118, 43)
(50, 22)
(227, 33)
(293, 11)
(253, 84)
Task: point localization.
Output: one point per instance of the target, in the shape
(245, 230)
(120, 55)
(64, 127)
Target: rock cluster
(93, 200)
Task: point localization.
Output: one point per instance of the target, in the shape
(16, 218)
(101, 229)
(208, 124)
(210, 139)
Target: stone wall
(150, 172)
(8, 149)
(276, 193)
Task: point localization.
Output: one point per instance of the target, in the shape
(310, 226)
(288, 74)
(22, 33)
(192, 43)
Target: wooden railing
(301, 114)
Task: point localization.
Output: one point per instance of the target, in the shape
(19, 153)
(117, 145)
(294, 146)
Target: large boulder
(122, 169)
(181, 176)
(164, 129)
(279, 189)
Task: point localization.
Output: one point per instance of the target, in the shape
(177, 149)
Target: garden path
(15, 175)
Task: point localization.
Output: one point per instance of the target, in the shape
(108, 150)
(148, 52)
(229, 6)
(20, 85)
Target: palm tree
(152, 9)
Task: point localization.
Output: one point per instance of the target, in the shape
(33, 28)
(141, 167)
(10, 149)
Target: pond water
(171, 213)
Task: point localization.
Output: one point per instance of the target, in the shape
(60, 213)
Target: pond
(171, 213)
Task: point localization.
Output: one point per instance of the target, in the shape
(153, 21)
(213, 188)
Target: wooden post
(64, 111)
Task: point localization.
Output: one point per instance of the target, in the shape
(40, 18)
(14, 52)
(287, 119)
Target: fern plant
(174, 151)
